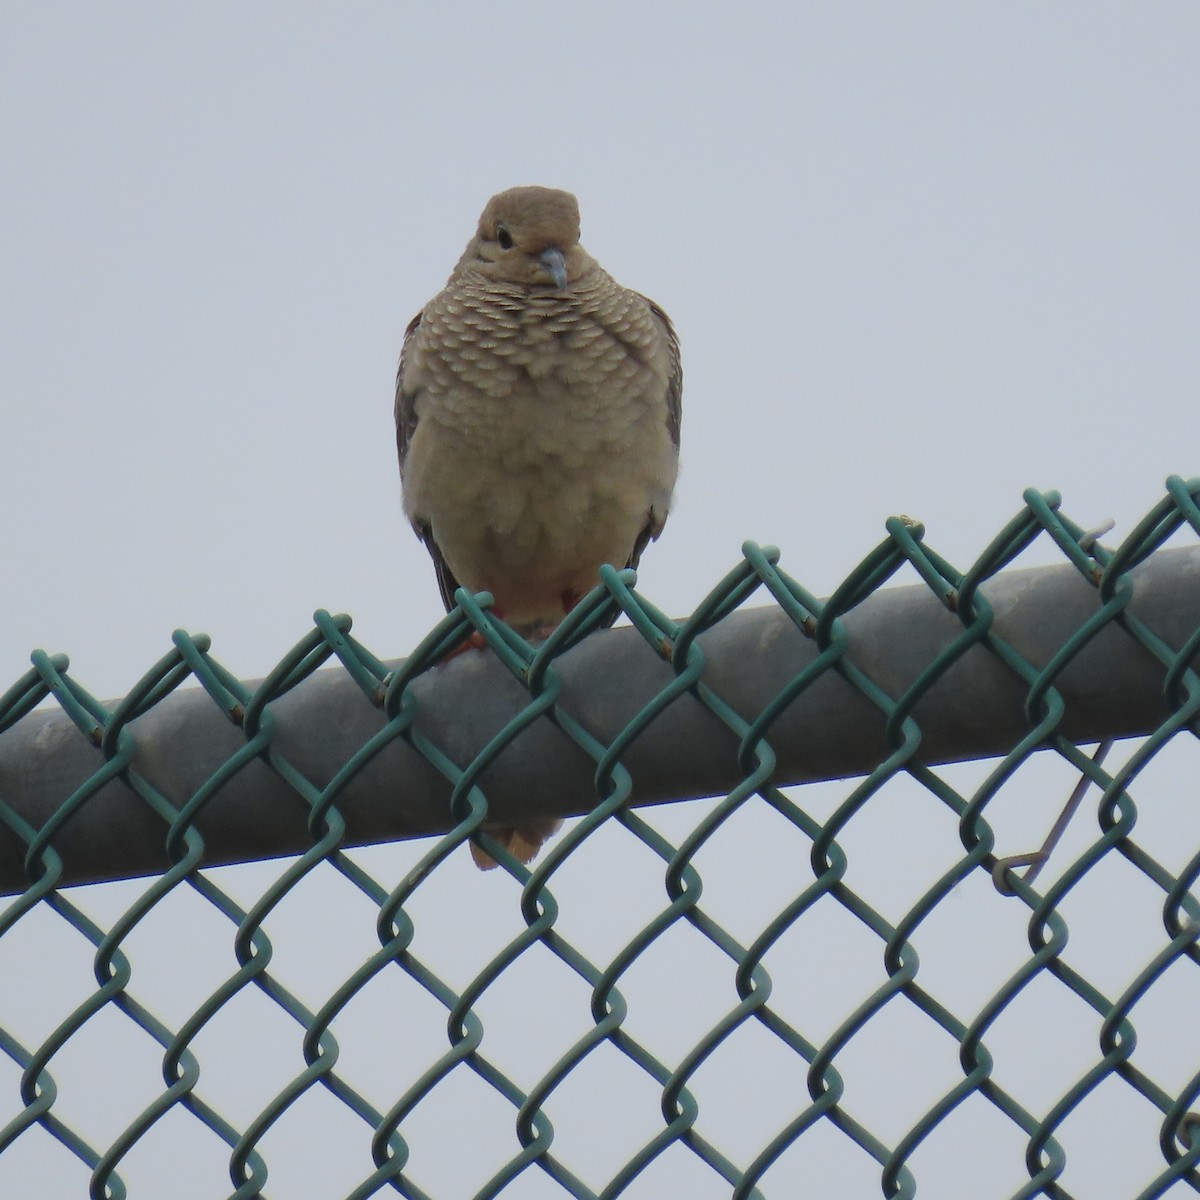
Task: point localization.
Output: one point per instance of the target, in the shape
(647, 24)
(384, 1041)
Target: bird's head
(529, 236)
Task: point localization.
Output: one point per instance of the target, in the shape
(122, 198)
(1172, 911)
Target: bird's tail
(521, 841)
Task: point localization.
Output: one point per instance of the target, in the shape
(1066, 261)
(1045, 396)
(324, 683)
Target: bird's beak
(556, 265)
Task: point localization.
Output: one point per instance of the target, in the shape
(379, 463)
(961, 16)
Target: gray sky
(920, 257)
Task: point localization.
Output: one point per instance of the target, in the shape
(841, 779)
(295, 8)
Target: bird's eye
(504, 238)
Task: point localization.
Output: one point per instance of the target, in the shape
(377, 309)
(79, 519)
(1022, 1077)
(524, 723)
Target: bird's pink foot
(474, 642)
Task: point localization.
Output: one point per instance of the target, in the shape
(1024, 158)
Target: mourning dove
(537, 422)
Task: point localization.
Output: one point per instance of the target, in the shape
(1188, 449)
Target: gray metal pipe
(1113, 689)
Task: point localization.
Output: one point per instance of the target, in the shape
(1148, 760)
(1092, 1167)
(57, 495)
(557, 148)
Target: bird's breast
(541, 445)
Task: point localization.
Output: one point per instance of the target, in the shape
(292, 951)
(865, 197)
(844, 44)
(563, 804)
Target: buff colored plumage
(537, 422)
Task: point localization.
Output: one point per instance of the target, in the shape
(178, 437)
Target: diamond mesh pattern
(718, 998)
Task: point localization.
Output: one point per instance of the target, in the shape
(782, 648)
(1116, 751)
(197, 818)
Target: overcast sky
(920, 257)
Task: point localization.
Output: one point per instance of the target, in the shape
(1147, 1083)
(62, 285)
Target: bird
(538, 407)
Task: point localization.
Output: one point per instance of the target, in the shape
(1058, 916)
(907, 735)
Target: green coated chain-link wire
(758, 576)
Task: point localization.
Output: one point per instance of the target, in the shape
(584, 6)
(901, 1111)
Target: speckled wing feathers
(406, 424)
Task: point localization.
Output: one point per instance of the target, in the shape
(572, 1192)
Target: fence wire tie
(1037, 860)
(1089, 539)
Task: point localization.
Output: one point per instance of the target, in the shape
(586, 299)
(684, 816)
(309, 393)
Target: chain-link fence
(721, 997)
